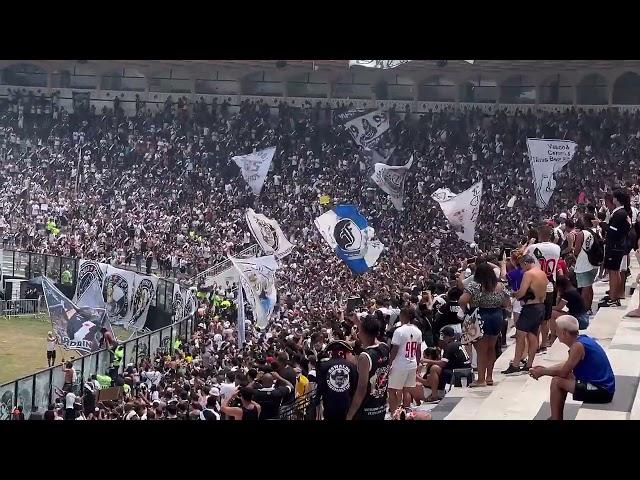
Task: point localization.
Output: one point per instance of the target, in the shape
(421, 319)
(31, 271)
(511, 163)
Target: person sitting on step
(587, 373)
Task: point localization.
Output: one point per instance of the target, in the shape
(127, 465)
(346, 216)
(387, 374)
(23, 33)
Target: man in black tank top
(370, 399)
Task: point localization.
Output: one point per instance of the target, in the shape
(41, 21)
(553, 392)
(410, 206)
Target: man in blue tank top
(587, 373)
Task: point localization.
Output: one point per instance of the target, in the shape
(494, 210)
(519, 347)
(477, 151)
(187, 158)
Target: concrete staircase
(523, 398)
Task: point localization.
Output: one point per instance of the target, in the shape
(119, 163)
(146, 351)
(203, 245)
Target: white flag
(442, 194)
(470, 61)
(391, 180)
(268, 234)
(462, 211)
(366, 129)
(548, 157)
(511, 202)
(257, 276)
(255, 167)
(383, 64)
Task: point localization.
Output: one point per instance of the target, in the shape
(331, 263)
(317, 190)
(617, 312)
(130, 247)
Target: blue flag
(350, 236)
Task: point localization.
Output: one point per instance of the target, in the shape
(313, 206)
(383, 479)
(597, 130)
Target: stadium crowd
(160, 188)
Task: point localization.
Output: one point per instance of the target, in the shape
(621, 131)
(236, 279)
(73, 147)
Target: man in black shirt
(285, 371)
(568, 297)
(337, 381)
(440, 372)
(270, 397)
(616, 246)
(448, 311)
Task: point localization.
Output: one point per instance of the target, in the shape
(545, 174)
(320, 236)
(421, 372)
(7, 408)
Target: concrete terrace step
(521, 397)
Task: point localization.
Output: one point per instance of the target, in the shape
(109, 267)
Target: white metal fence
(23, 306)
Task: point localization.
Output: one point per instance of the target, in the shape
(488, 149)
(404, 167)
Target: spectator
(586, 374)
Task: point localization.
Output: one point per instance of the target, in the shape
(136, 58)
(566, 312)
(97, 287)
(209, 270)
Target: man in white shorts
(404, 357)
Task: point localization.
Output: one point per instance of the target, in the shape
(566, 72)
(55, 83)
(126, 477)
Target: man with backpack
(588, 249)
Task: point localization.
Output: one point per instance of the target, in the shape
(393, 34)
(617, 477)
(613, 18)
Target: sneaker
(609, 303)
(511, 370)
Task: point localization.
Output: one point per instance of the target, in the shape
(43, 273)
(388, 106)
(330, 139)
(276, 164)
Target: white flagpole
(240, 317)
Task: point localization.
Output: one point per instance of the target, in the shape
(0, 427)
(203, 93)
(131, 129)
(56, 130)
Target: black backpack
(596, 252)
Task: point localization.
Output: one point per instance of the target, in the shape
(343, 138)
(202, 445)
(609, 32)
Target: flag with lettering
(391, 180)
(547, 157)
(367, 128)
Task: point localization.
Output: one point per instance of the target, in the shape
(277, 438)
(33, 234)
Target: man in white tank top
(405, 358)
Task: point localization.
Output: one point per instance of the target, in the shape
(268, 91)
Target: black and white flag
(366, 129)
(268, 234)
(255, 166)
(383, 64)
(391, 180)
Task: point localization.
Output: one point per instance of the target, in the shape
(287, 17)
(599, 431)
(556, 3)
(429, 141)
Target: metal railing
(41, 389)
(302, 409)
(23, 306)
(224, 265)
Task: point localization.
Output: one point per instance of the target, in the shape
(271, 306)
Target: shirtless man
(533, 290)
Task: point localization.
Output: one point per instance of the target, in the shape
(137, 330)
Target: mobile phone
(507, 251)
(353, 303)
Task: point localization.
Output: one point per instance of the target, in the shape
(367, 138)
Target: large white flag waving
(258, 276)
(391, 180)
(548, 157)
(268, 234)
(255, 167)
(461, 210)
(366, 129)
(384, 64)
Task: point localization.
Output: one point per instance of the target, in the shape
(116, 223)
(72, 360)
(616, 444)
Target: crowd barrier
(23, 306)
(40, 389)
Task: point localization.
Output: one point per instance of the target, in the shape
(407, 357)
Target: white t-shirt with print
(408, 338)
(548, 254)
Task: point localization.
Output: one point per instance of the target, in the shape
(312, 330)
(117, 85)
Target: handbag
(472, 327)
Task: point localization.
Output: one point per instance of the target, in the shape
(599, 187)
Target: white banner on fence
(391, 180)
(179, 302)
(383, 64)
(144, 292)
(462, 211)
(366, 129)
(268, 234)
(254, 167)
(258, 276)
(117, 291)
(548, 157)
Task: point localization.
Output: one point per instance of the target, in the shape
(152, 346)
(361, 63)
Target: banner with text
(548, 157)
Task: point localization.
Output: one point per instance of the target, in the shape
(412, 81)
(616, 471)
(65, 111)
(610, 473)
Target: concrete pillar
(610, 87)
(538, 94)
(575, 94)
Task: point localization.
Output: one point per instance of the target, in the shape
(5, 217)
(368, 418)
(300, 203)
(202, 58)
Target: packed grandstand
(395, 234)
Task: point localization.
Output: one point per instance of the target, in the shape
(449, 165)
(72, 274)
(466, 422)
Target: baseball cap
(447, 332)
(339, 345)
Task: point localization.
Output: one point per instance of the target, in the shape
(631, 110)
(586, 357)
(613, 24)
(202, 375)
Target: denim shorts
(492, 320)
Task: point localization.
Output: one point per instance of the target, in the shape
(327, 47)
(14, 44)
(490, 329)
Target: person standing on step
(586, 272)
(616, 247)
(51, 349)
(587, 373)
(533, 290)
(405, 356)
(370, 399)
(548, 255)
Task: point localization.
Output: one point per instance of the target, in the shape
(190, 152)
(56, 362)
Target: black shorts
(612, 259)
(531, 317)
(51, 354)
(549, 303)
(588, 393)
